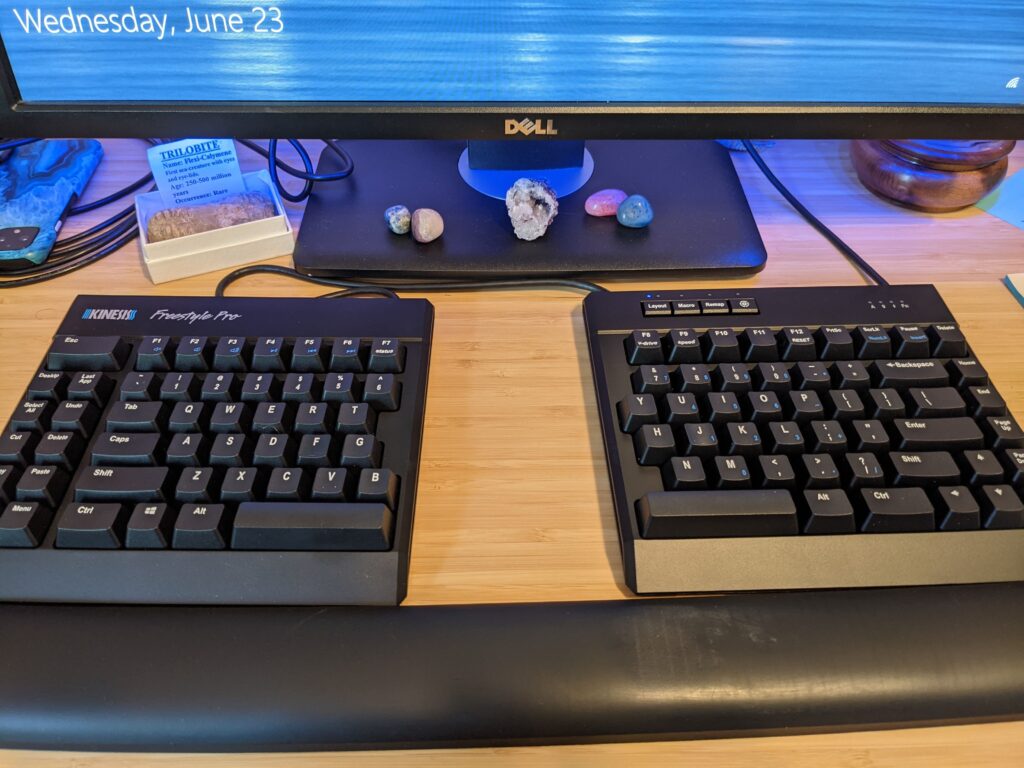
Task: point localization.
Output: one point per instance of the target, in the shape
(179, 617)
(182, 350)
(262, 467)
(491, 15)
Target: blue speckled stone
(635, 212)
(398, 219)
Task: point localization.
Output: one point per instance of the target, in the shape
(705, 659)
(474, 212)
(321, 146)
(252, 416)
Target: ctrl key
(91, 526)
(24, 523)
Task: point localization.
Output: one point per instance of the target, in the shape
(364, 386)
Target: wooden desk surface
(514, 503)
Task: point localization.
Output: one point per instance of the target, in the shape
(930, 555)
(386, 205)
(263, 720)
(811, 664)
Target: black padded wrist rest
(213, 679)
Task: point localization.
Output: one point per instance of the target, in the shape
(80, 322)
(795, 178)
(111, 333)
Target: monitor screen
(517, 51)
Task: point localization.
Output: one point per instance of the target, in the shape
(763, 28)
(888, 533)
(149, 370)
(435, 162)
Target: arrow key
(1001, 507)
(957, 509)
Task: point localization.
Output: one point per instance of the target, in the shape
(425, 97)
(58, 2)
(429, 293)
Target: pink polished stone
(604, 203)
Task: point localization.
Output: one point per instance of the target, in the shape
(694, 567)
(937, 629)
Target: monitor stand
(702, 220)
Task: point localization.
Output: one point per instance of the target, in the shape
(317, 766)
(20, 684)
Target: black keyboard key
(230, 450)
(924, 468)
(271, 418)
(260, 387)
(820, 471)
(835, 343)
(308, 355)
(886, 404)
(985, 401)
(230, 417)
(48, 385)
(91, 387)
(219, 388)
(773, 376)
(357, 418)
(694, 378)
(903, 374)
(346, 355)
(679, 409)
(141, 449)
(684, 473)
(957, 509)
(300, 387)
(732, 471)
(179, 387)
(777, 472)
(1004, 432)
(864, 470)
(378, 485)
(870, 435)
(966, 372)
(872, 342)
(721, 345)
(797, 344)
(714, 307)
(846, 404)
(274, 451)
(287, 484)
(31, 416)
(268, 354)
(153, 354)
(929, 403)
(911, 341)
(383, 391)
(816, 376)
(192, 354)
(1001, 507)
(743, 438)
(805, 406)
(644, 348)
(91, 526)
(149, 527)
(315, 451)
(938, 434)
(16, 448)
(683, 346)
(330, 484)
(765, 406)
(45, 484)
(386, 356)
(982, 467)
(654, 444)
(8, 480)
(759, 345)
(652, 380)
(313, 418)
(139, 386)
(947, 340)
(785, 437)
(201, 526)
(128, 416)
(717, 514)
(634, 412)
(317, 527)
(827, 437)
(723, 407)
(1013, 460)
(196, 484)
(699, 439)
(828, 512)
(896, 510)
(186, 450)
(187, 417)
(230, 354)
(87, 353)
(851, 374)
(241, 484)
(340, 388)
(123, 484)
(24, 524)
(363, 451)
(733, 377)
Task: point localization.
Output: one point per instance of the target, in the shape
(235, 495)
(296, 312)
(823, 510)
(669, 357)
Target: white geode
(532, 206)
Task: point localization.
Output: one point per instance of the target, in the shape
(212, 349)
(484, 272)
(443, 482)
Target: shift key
(123, 484)
(938, 434)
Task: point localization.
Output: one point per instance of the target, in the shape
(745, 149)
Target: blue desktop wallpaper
(943, 51)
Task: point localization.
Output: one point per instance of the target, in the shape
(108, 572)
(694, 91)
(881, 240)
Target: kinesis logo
(110, 314)
(529, 127)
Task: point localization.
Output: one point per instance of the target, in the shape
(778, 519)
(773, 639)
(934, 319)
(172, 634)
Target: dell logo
(529, 127)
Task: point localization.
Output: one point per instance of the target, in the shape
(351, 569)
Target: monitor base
(702, 220)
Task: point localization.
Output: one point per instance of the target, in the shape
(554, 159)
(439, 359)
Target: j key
(773, 376)
(684, 473)
(230, 354)
(271, 417)
(153, 354)
(299, 387)
(985, 401)
(179, 387)
(91, 387)
(652, 379)
(1014, 463)
(717, 514)
(8, 480)
(362, 451)
(187, 417)
(186, 450)
(1004, 432)
(308, 355)
(765, 406)
(777, 472)
(201, 526)
(126, 449)
(721, 346)
(378, 485)
(938, 434)
(943, 401)
(80, 418)
(723, 407)
(759, 345)
(896, 510)
(797, 344)
(886, 404)
(828, 436)
(386, 356)
(966, 372)
(91, 526)
(191, 354)
(382, 391)
(654, 444)
(982, 467)
(139, 386)
(287, 484)
(23, 524)
(699, 440)
(743, 439)
(87, 353)
(644, 348)
(683, 346)
(957, 509)
(836, 343)
(241, 484)
(732, 472)
(340, 388)
(828, 511)
(927, 468)
(733, 377)
(694, 378)
(805, 406)
(128, 416)
(356, 418)
(910, 341)
(230, 451)
(123, 484)
(219, 388)
(815, 376)
(312, 418)
(196, 484)
(345, 355)
(947, 340)
(316, 527)
(872, 342)
(820, 470)
(230, 417)
(637, 410)
(16, 448)
(42, 484)
(1001, 507)
(48, 385)
(260, 387)
(32, 415)
(864, 470)
(846, 404)
(315, 451)
(149, 527)
(870, 435)
(268, 354)
(273, 451)
(785, 437)
(679, 409)
(332, 484)
(851, 374)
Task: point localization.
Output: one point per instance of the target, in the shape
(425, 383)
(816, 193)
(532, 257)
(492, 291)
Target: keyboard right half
(803, 438)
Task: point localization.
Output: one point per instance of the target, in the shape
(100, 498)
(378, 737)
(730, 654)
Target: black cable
(307, 175)
(813, 220)
(416, 287)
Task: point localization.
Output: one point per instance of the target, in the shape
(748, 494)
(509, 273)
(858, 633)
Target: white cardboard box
(219, 248)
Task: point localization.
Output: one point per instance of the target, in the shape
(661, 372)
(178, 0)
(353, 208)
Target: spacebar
(312, 526)
(714, 514)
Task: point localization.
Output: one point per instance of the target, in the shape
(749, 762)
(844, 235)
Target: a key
(345, 355)
(241, 484)
(139, 386)
(851, 374)
(378, 485)
(149, 527)
(982, 467)
(773, 376)
(273, 451)
(966, 372)
(644, 348)
(260, 387)
(765, 406)
(947, 340)
(127, 449)
(123, 484)
(271, 417)
(287, 484)
(91, 387)
(699, 440)
(759, 345)
(717, 514)
(87, 353)
(45, 484)
(230, 417)
(652, 380)
(386, 356)
(924, 468)
(187, 417)
(695, 379)
(777, 472)
(154, 354)
(313, 418)
(929, 403)
(957, 509)
(91, 526)
(743, 439)
(654, 444)
(683, 346)
(679, 409)
(318, 527)
(268, 354)
(1001, 507)
(985, 401)
(886, 404)
(846, 404)
(219, 388)
(896, 510)
(835, 342)
(340, 388)
(201, 526)
(31, 416)
(16, 448)
(24, 524)
(864, 470)
(938, 434)
(683, 473)
(308, 355)
(816, 376)
(828, 511)
(315, 451)
(797, 344)
(820, 471)
(805, 406)
(733, 377)
(872, 342)
(191, 354)
(785, 437)
(330, 484)
(299, 387)
(827, 437)
(1003, 432)
(732, 472)
(723, 407)
(634, 412)
(196, 484)
(721, 345)
(230, 354)
(179, 387)
(910, 341)
(48, 385)
(230, 450)
(186, 450)
(129, 416)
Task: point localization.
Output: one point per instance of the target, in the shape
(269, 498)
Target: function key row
(795, 344)
(228, 354)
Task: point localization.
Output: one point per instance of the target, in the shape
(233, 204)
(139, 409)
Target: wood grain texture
(514, 502)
